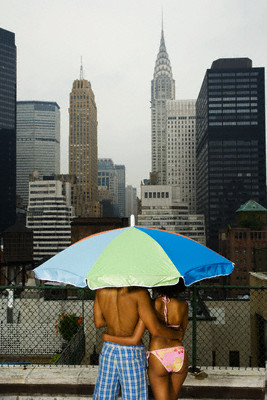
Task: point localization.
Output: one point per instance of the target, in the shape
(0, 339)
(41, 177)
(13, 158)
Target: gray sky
(119, 41)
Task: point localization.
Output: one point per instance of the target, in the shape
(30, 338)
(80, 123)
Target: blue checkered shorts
(121, 366)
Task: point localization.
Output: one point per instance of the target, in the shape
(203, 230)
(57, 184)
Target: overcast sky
(119, 41)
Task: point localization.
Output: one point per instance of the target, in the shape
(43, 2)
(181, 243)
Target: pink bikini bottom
(171, 358)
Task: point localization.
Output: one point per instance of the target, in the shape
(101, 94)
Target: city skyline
(119, 43)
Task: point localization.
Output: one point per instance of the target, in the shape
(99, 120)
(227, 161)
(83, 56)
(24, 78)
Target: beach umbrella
(133, 256)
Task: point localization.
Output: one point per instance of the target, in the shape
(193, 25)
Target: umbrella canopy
(134, 256)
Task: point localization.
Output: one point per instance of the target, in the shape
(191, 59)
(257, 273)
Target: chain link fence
(42, 325)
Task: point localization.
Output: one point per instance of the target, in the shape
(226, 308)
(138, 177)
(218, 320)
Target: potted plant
(67, 325)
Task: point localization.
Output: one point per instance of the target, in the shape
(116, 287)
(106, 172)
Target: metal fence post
(194, 329)
(83, 298)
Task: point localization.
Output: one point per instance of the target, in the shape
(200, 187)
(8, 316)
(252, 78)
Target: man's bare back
(119, 309)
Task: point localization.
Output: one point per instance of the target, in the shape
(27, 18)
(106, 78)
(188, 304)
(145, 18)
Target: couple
(127, 312)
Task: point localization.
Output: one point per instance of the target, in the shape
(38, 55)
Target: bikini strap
(165, 300)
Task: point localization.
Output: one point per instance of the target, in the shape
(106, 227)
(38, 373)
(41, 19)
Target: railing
(227, 326)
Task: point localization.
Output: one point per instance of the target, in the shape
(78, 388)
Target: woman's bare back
(177, 314)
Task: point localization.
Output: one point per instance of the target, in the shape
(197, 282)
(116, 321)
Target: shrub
(68, 325)
(54, 359)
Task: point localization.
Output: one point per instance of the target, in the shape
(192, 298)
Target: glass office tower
(8, 83)
(38, 142)
(230, 152)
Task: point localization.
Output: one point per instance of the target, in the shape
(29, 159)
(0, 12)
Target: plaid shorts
(121, 366)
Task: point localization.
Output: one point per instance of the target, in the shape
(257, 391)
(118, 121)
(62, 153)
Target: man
(119, 309)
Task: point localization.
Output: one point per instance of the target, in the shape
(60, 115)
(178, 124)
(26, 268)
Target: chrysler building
(162, 89)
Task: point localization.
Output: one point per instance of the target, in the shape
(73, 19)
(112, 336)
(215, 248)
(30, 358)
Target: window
(215, 111)
(230, 111)
(215, 124)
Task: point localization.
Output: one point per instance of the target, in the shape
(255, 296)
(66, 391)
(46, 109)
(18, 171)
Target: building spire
(163, 68)
(162, 40)
(81, 70)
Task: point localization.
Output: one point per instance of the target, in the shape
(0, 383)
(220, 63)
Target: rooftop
(251, 205)
(232, 63)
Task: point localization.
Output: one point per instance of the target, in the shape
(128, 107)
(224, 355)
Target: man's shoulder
(134, 292)
(104, 292)
(138, 293)
(137, 289)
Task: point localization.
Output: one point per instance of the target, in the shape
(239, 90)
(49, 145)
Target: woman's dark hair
(170, 291)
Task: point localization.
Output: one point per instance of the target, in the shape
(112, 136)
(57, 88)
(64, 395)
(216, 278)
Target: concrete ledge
(59, 381)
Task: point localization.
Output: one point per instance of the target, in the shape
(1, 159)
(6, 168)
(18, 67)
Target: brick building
(245, 245)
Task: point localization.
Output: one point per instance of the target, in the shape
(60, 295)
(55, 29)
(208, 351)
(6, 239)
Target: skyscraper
(131, 194)
(8, 94)
(83, 148)
(162, 89)
(49, 215)
(121, 189)
(107, 176)
(181, 149)
(38, 142)
(230, 151)
(108, 185)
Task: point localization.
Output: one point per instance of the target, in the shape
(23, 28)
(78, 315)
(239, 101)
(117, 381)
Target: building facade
(108, 177)
(181, 149)
(111, 186)
(131, 206)
(8, 97)
(38, 142)
(246, 244)
(230, 149)
(121, 189)
(162, 208)
(18, 254)
(162, 89)
(83, 148)
(83, 227)
(49, 215)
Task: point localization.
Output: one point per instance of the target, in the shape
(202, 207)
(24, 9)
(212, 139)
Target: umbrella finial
(132, 219)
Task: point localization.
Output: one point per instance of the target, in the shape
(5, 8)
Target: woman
(167, 359)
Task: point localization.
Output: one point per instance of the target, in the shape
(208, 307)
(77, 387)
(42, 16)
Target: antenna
(81, 70)
(162, 18)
